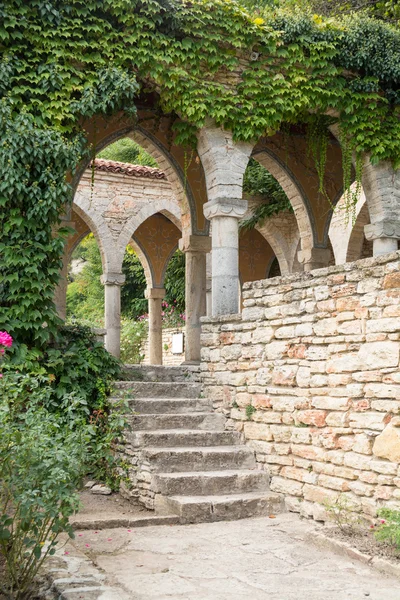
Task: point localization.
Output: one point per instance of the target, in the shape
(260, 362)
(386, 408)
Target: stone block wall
(169, 359)
(309, 373)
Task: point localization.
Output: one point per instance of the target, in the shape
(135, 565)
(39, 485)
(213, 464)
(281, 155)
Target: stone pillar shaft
(155, 297)
(225, 215)
(224, 162)
(60, 293)
(195, 248)
(112, 311)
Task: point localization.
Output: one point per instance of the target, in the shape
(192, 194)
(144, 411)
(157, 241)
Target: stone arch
(144, 260)
(281, 232)
(101, 232)
(107, 131)
(163, 206)
(357, 237)
(295, 194)
(174, 175)
(347, 234)
(381, 185)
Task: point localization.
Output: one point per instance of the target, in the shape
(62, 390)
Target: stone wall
(310, 374)
(169, 359)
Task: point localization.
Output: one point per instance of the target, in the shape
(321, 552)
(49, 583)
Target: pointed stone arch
(295, 194)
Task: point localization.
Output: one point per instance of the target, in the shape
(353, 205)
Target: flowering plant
(5, 342)
(171, 317)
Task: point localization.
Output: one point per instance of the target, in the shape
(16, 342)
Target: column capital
(225, 207)
(389, 228)
(112, 279)
(195, 243)
(319, 256)
(154, 293)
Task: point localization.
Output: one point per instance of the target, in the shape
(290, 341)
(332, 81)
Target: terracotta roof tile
(113, 166)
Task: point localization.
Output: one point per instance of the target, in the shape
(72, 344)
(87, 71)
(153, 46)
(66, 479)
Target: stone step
(158, 373)
(146, 406)
(203, 420)
(200, 509)
(157, 389)
(182, 437)
(209, 458)
(210, 482)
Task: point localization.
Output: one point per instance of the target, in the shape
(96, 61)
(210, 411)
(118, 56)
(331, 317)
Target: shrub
(75, 363)
(42, 461)
(133, 335)
(388, 529)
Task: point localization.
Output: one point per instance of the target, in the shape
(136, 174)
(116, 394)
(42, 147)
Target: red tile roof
(113, 166)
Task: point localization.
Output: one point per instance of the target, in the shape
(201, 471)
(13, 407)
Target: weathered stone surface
(387, 444)
(101, 490)
(325, 399)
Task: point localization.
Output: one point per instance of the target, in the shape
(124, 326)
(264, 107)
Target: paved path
(255, 559)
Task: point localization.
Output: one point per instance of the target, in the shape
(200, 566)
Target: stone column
(381, 185)
(225, 215)
(224, 162)
(155, 297)
(314, 258)
(195, 248)
(112, 311)
(385, 236)
(60, 293)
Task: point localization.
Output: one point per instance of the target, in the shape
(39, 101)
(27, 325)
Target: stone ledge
(341, 548)
(221, 319)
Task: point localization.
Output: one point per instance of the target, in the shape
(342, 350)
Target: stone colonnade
(213, 286)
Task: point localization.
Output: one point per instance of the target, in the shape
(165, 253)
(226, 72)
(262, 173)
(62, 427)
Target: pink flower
(5, 339)
(383, 521)
(1, 375)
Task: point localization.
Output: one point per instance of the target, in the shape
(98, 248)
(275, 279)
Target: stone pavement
(256, 559)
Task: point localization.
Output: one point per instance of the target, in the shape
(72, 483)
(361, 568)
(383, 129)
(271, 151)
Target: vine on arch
(251, 72)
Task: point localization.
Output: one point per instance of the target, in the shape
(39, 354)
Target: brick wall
(310, 374)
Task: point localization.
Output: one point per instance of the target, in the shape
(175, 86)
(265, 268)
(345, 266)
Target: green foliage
(388, 528)
(64, 61)
(258, 181)
(75, 361)
(33, 165)
(387, 10)
(250, 410)
(41, 464)
(133, 336)
(133, 302)
(127, 151)
(85, 293)
(175, 282)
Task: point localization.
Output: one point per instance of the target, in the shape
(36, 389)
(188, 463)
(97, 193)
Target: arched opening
(270, 216)
(274, 269)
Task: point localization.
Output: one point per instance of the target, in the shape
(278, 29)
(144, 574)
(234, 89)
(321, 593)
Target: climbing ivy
(252, 72)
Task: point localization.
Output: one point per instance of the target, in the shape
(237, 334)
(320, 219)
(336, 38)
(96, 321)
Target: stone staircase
(184, 461)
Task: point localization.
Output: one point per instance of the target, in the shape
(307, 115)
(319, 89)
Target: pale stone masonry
(309, 374)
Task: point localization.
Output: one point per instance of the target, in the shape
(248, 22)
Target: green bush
(42, 461)
(133, 336)
(388, 530)
(127, 151)
(76, 363)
